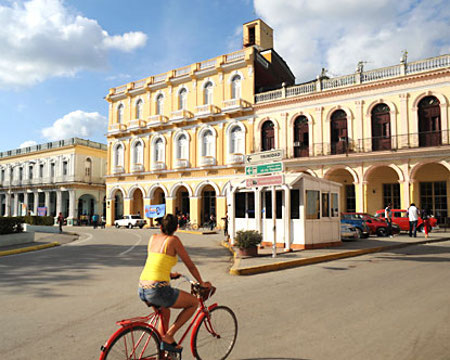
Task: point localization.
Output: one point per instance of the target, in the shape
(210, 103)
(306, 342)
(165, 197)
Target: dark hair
(169, 224)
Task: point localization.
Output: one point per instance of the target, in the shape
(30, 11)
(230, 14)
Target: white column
(58, 202)
(287, 218)
(274, 221)
(36, 202)
(8, 205)
(71, 207)
(47, 202)
(25, 201)
(16, 204)
(231, 214)
(258, 209)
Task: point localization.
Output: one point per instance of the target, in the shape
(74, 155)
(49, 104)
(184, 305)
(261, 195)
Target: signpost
(264, 157)
(265, 181)
(264, 168)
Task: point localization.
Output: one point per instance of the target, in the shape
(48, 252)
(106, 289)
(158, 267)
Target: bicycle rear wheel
(216, 334)
(136, 343)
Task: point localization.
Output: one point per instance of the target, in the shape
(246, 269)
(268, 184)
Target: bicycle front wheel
(136, 342)
(216, 334)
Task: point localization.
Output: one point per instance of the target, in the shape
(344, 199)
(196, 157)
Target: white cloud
(40, 39)
(28, 143)
(76, 124)
(337, 34)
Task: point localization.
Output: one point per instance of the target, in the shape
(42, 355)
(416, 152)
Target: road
(62, 303)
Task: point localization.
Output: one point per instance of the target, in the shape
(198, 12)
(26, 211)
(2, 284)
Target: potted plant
(247, 242)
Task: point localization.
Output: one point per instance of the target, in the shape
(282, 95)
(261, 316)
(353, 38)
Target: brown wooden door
(268, 136)
(301, 137)
(429, 122)
(381, 128)
(339, 132)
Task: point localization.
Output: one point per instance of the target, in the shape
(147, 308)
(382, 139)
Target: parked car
(130, 221)
(348, 232)
(377, 226)
(400, 217)
(357, 222)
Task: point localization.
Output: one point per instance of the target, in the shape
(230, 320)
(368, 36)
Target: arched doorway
(381, 128)
(159, 197)
(182, 201)
(86, 208)
(208, 203)
(429, 122)
(432, 190)
(383, 188)
(301, 137)
(137, 203)
(347, 193)
(267, 136)
(118, 205)
(339, 133)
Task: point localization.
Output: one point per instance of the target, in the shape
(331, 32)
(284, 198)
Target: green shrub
(247, 238)
(37, 220)
(10, 225)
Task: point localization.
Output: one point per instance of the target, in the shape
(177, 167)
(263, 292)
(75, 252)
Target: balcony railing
(206, 110)
(235, 159)
(235, 56)
(137, 167)
(156, 120)
(181, 163)
(181, 115)
(378, 144)
(207, 161)
(359, 77)
(158, 165)
(235, 104)
(182, 71)
(118, 169)
(117, 128)
(136, 124)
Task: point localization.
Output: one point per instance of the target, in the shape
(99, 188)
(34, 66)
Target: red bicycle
(214, 332)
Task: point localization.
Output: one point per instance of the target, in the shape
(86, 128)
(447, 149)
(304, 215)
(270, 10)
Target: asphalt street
(62, 303)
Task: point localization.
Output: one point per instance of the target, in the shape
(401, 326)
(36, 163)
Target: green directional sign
(264, 168)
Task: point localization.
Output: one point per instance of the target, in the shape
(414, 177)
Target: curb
(197, 232)
(28, 249)
(252, 270)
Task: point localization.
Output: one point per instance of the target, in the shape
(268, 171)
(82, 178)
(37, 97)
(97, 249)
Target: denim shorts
(164, 296)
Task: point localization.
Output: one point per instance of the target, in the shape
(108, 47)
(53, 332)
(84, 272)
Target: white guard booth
(304, 214)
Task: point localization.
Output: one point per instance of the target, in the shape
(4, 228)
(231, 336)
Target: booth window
(268, 203)
(325, 205)
(295, 204)
(312, 205)
(334, 205)
(245, 203)
(251, 205)
(239, 201)
(279, 197)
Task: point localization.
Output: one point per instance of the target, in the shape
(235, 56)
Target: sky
(59, 58)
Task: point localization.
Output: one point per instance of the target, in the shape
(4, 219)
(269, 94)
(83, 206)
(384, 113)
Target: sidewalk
(284, 260)
(41, 241)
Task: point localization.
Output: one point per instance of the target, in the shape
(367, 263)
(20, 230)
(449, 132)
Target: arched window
(159, 150)
(381, 128)
(139, 109)
(301, 137)
(208, 93)
(236, 140)
(118, 155)
(160, 104)
(207, 143)
(236, 87)
(120, 110)
(267, 136)
(429, 122)
(339, 134)
(182, 99)
(182, 147)
(138, 153)
(88, 168)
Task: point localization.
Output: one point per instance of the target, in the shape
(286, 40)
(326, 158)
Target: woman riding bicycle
(154, 288)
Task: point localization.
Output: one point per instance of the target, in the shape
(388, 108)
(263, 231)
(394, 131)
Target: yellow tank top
(158, 265)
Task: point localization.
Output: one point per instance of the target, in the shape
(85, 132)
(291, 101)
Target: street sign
(264, 157)
(264, 168)
(265, 181)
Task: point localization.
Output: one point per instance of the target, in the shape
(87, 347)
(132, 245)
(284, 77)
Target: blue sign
(155, 211)
(41, 211)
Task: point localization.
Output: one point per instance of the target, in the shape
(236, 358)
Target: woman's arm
(182, 253)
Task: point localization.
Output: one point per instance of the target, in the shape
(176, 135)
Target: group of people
(183, 219)
(413, 214)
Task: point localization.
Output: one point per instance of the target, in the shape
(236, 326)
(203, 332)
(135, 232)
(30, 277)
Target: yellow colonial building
(64, 176)
(383, 134)
(178, 138)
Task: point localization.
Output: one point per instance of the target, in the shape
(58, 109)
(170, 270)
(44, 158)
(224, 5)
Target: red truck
(400, 217)
(376, 226)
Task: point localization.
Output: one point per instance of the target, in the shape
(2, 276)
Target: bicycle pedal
(171, 355)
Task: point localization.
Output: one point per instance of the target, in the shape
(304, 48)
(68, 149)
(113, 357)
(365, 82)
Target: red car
(377, 226)
(400, 217)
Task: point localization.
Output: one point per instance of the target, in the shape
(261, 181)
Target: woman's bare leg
(189, 304)
(164, 325)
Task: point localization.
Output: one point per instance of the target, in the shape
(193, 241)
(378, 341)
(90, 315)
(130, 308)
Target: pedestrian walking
(225, 226)
(95, 221)
(212, 222)
(426, 221)
(413, 215)
(388, 217)
(60, 221)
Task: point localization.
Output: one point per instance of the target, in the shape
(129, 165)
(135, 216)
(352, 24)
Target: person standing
(95, 221)
(388, 217)
(413, 214)
(225, 226)
(60, 221)
(426, 221)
